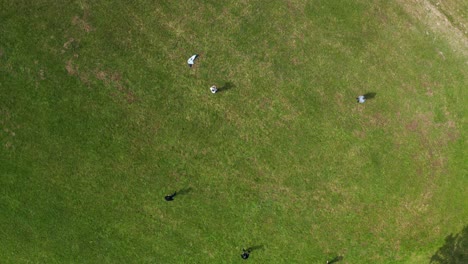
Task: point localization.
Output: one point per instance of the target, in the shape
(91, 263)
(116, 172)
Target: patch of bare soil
(71, 69)
(66, 45)
(435, 20)
(82, 22)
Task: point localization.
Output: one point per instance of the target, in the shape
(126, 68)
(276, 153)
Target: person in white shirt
(361, 99)
(213, 89)
(191, 60)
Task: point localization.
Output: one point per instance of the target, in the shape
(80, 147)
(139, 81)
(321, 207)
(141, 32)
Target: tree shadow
(336, 259)
(226, 86)
(454, 251)
(370, 95)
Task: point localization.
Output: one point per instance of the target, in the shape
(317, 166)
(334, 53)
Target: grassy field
(100, 118)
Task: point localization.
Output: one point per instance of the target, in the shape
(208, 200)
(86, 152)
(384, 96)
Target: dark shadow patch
(454, 251)
(172, 196)
(226, 86)
(259, 247)
(184, 191)
(369, 96)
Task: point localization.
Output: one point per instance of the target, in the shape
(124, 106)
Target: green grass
(100, 118)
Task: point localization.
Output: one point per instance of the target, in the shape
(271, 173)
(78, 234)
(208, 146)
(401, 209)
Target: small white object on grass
(213, 89)
(361, 99)
(191, 60)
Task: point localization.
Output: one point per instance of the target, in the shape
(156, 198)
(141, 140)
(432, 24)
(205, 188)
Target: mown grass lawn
(100, 118)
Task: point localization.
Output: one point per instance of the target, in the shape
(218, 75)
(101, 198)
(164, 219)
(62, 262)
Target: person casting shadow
(245, 253)
(170, 197)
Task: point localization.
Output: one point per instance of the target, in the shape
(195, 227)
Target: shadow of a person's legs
(255, 248)
(370, 95)
(185, 190)
(226, 86)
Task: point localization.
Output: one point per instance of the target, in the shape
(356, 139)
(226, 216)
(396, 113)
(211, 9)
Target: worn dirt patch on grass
(82, 22)
(71, 69)
(66, 45)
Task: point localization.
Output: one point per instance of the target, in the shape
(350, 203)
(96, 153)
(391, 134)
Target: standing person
(361, 99)
(245, 253)
(213, 89)
(170, 197)
(191, 60)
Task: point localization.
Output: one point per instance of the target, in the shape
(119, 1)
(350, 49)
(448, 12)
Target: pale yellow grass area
(438, 22)
(457, 10)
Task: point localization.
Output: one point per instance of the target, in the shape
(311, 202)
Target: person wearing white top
(361, 99)
(191, 60)
(213, 89)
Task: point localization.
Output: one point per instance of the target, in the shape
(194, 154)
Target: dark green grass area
(100, 118)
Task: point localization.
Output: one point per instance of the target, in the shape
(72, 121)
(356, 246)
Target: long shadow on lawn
(226, 86)
(370, 95)
(184, 191)
(170, 197)
(455, 249)
(250, 249)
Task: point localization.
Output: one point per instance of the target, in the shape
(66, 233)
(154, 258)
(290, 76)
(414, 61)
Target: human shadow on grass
(250, 249)
(184, 191)
(370, 96)
(226, 86)
(336, 259)
(454, 251)
(171, 197)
